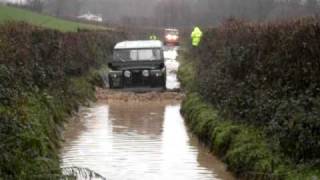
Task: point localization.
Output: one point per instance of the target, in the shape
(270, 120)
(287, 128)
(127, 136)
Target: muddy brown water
(139, 136)
(138, 140)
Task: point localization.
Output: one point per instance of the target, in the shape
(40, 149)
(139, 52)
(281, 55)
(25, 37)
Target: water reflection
(179, 157)
(137, 141)
(172, 66)
(141, 118)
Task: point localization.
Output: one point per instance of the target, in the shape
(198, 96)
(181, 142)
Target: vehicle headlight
(114, 75)
(145, 73)
(174, 38)
(127, 74)
(158, 74)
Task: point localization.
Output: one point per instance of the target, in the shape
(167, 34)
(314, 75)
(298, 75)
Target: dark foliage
(267, 75)
(44, 76)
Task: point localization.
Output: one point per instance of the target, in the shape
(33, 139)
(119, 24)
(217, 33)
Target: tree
(35, 5)
(68, 8)
(173, 13)
(312, 6)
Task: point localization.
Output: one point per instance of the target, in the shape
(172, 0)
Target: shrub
(243, 148)
(267, 75)
(44, 76)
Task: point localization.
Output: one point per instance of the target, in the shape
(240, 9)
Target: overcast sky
(13, 1)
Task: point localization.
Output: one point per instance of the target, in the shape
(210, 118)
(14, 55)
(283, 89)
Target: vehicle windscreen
(172, 32)
(137, 55)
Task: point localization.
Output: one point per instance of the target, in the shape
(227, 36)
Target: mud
(108, 95)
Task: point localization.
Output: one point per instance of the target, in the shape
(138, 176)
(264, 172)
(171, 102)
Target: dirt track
(107, 95)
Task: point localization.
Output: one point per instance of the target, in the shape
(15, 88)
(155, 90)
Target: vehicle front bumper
(155, 78)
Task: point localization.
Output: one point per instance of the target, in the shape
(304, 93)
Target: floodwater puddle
(130, 140)
(172, 66)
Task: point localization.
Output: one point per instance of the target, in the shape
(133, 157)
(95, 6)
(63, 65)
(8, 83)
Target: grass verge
(246, 150)
(32, 149)
(15, 14)
(45, 76)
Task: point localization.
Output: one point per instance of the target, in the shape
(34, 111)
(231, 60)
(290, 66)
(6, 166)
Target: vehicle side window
(121, 55)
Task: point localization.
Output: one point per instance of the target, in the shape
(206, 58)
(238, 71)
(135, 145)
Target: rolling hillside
(16, 14)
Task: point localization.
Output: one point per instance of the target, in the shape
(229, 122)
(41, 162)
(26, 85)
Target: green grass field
(16, 14)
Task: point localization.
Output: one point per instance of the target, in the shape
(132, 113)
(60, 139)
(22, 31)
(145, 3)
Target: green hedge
(45, 75)
(243, 148)
(268, 76)
(246, 150)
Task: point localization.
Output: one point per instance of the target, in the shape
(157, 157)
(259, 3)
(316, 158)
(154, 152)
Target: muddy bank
(108, 95)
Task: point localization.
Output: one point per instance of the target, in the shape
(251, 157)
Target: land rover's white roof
(171, 29)
(138, 44)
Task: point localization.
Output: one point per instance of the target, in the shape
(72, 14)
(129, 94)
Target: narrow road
(139, 136)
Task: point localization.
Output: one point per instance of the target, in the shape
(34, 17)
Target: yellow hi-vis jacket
(153, 37)
(196, 36)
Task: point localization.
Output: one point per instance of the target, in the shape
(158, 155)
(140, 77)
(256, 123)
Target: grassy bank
(15, 14)
(45, 76)
(32, 130)
(247, 150)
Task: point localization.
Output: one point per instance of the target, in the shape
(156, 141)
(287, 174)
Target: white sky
(13, 1)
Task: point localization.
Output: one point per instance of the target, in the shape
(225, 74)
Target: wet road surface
(126, 140)
(172, 66)
(139, 137)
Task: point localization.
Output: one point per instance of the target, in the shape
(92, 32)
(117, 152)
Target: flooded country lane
(139, 136)
(130, 140)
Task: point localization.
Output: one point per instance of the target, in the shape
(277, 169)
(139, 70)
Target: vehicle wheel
(110, 84)
(164, 83)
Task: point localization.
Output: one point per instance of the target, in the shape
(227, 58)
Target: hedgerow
(243, 148)
(267, 75)
(44, 76)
